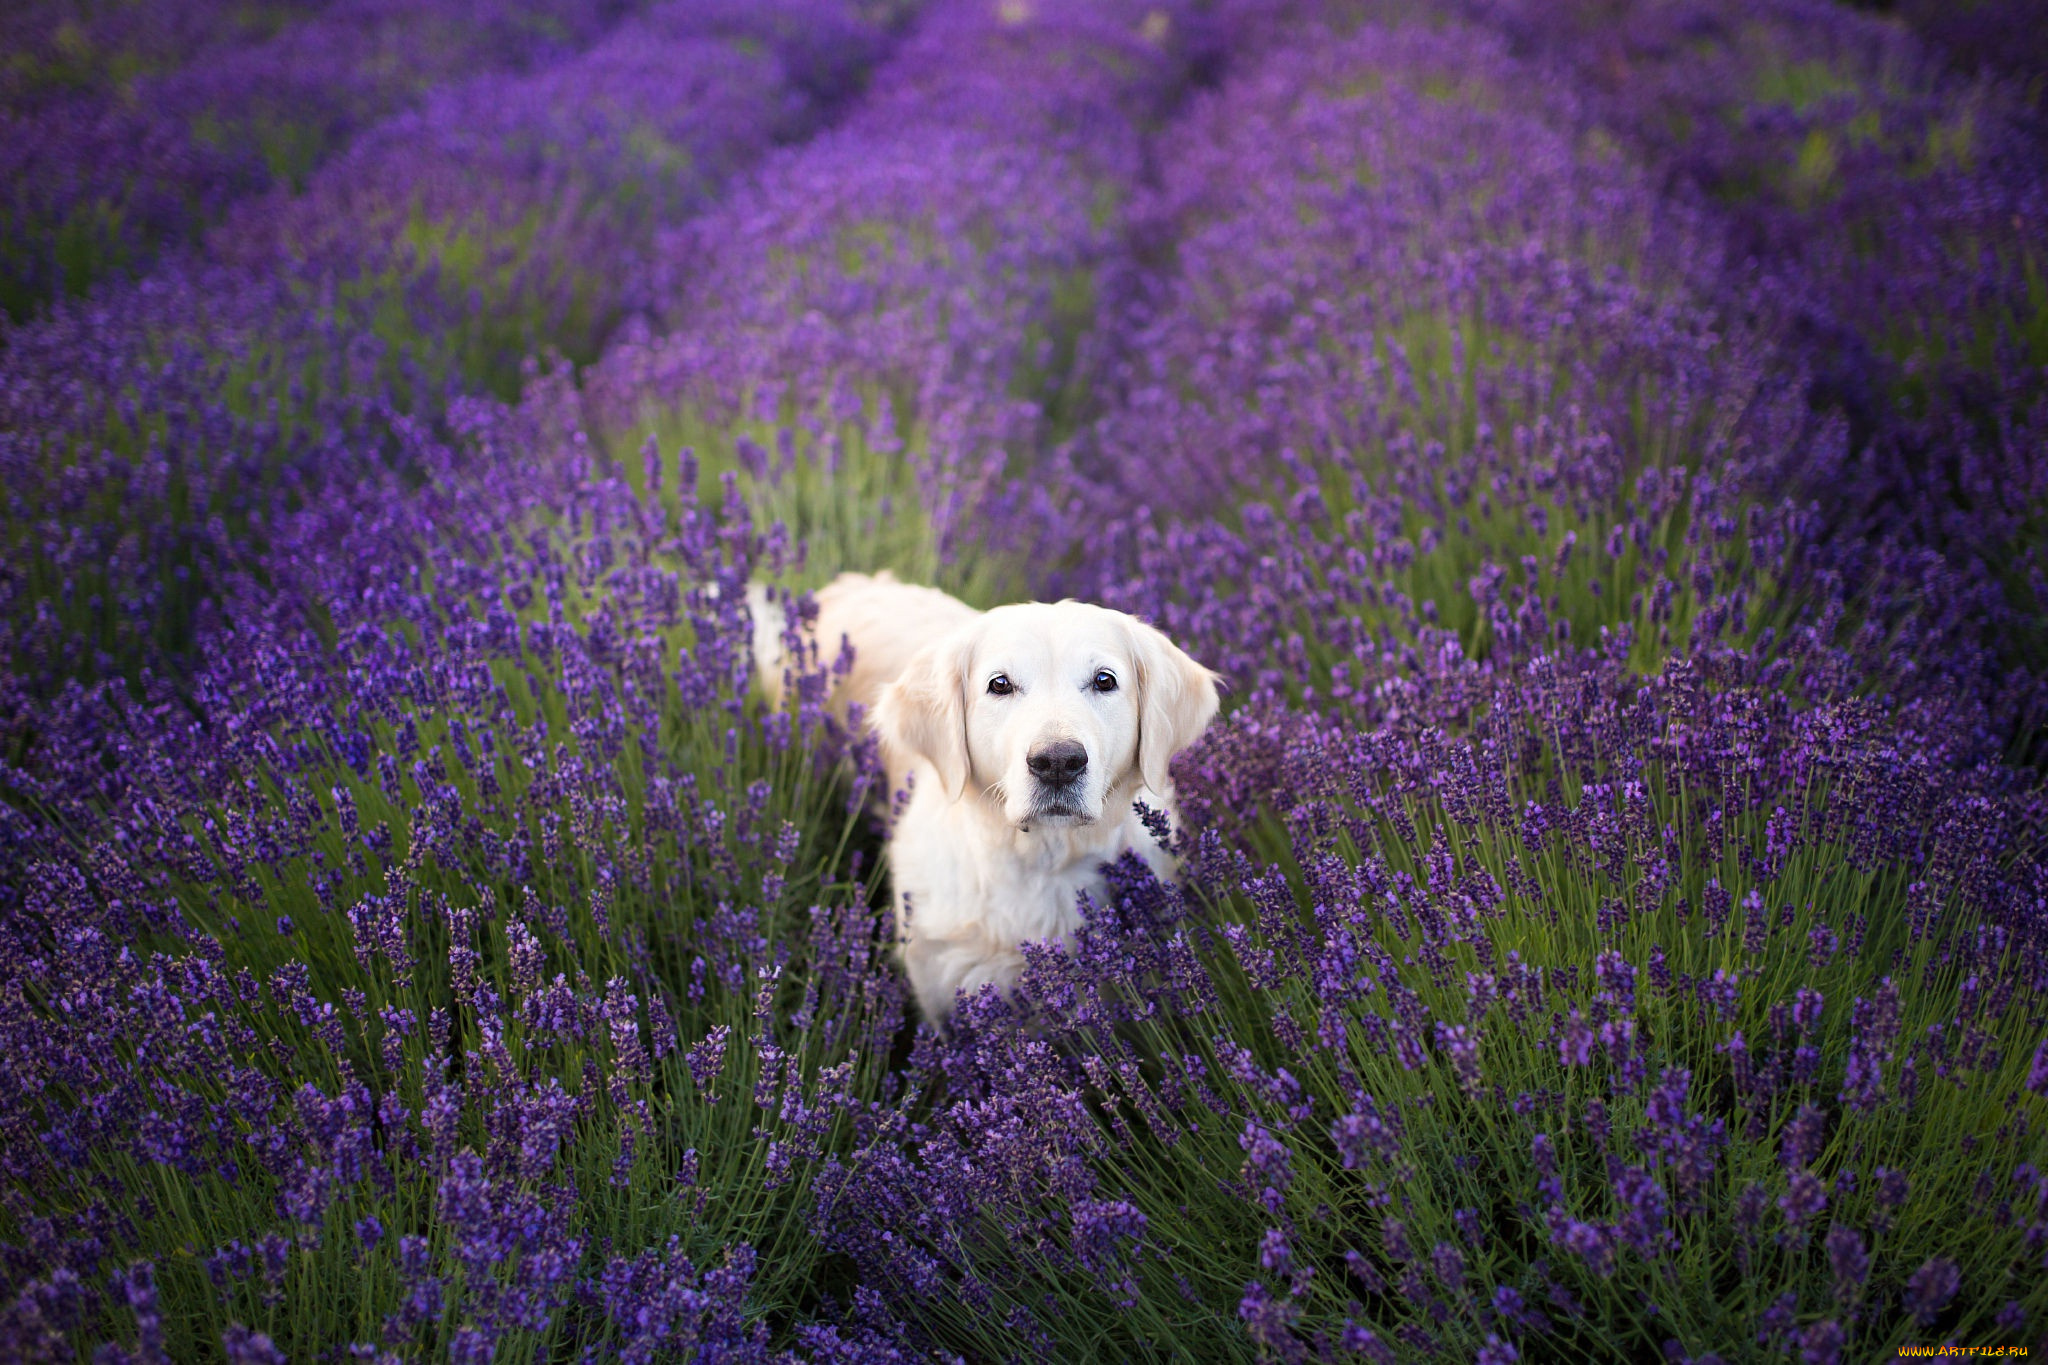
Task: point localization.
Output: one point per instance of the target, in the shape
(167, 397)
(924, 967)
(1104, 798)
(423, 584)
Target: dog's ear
(924, 712)
(1176, 701)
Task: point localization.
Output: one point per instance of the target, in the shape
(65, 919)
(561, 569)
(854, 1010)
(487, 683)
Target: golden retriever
(1025, 735)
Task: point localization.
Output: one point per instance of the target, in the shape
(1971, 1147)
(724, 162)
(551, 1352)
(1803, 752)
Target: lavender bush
(1613, 905)
(1502, 1043)
(154, 437)
(458, 964)
(923, 282)
(150, 125)
(1904, 208)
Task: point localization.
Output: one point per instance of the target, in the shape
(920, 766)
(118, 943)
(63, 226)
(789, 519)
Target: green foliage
(853, 492)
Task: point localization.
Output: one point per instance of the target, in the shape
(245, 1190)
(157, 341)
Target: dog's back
(885, 621)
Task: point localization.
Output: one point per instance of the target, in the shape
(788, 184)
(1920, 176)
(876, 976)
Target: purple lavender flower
(1394, 1237)
(1641, 1200)
(1364, 1133)
(1822, 1343)
(1363, 1270)
(1449, 1264)
(1366, 1344)
(243, 1346)
(1268, 1164)
(1848, 1261)
(1804, 1198)
(1931, 1288)
(1575, 1042)
(1270, 1322)
(1276, 1253)
(706, 1059)
(1803, 1137)
(1617, 978)
(1461, 1046)
(1806, 1008)
(1590, 1243)
(1750, 1206)
(1107, 1234)
(1779, 1320)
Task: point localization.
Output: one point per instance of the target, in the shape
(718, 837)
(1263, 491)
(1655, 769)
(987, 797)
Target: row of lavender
(215, 463)
(134, 130)
(1599, 934)
(152, 436)
(1899, 217)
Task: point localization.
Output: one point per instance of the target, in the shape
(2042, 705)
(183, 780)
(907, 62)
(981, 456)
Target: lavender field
(1603, 444)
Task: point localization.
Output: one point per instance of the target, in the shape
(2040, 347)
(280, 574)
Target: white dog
(1025, 735)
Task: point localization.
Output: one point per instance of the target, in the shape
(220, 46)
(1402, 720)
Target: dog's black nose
(1058, 763)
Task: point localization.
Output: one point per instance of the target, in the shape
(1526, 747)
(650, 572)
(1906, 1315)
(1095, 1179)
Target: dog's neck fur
(1048, 847)
(1023, 880)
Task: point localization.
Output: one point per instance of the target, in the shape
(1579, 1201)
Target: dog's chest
(1024, 890)
(1037, 897)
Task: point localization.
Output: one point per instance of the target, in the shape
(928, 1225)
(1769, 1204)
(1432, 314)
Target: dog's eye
(999, 685)
(1105, 681)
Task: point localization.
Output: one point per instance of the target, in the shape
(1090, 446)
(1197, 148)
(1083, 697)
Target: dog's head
(1052, 712)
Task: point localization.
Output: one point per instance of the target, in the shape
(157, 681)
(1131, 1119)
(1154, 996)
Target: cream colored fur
(989, 855)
